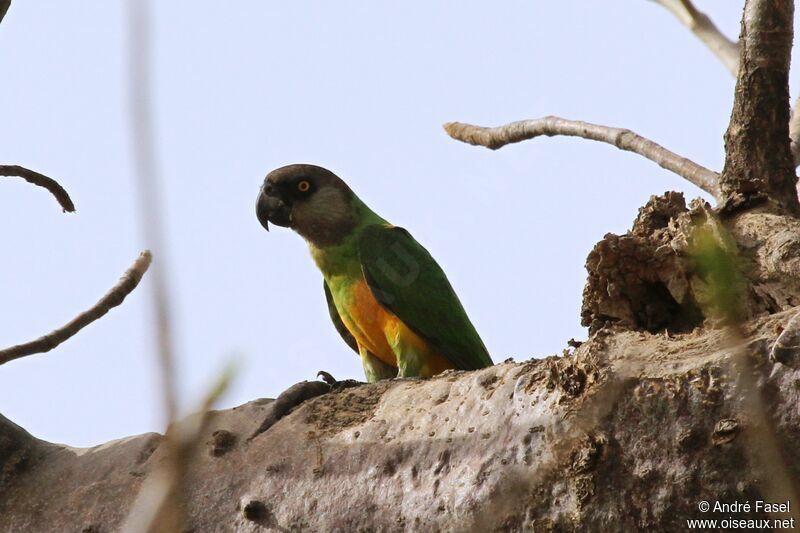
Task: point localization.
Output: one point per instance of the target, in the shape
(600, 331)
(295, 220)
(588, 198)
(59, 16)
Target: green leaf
(718, 268)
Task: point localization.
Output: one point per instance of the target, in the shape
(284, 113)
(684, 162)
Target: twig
(42, 181)
(147, 174)
(623, 139)
(112, 299)
(698, 22)
(160, 505)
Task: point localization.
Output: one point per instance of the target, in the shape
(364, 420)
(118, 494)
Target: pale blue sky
(361, 88)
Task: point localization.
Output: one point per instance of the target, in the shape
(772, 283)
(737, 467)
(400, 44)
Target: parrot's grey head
(311, 200)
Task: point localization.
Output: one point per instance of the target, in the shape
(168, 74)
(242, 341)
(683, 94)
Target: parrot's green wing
(337, 320)
(406, 280)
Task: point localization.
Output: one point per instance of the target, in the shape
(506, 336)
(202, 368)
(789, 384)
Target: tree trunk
(759, 165)
(631, 431)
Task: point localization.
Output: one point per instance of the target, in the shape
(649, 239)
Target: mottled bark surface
(759, 166)
(630, 431)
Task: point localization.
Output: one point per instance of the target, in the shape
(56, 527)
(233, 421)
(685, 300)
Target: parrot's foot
(288, 400)
(299, 393)
(335, 383)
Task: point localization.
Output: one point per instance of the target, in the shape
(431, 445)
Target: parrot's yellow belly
(381, 332)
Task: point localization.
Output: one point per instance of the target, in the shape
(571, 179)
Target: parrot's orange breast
(382, 333)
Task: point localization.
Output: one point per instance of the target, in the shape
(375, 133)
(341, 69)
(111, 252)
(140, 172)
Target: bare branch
(148, 177)
(42, 181)
(623, 139)
(698, 22)
(112, 299)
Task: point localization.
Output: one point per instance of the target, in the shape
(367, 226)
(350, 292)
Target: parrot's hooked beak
(270, 207)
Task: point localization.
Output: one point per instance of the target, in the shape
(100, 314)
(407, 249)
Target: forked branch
(42, 181)
(112, 299)
(624, 139)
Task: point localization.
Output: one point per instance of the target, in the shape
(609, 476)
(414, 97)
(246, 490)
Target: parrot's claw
(326, 377)
(288, 400)
(335, 383)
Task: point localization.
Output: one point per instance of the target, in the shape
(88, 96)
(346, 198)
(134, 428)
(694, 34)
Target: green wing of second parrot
(407, 281)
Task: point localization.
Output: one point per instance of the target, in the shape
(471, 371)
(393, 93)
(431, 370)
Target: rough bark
(759, 166)
(631, 431)
(647, 279)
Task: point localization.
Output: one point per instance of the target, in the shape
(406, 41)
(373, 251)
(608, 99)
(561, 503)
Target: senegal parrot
(388, 298)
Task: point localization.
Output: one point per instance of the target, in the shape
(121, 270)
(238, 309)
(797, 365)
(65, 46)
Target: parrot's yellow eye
(303, 186)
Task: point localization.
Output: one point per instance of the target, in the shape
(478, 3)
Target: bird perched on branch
(387, 297)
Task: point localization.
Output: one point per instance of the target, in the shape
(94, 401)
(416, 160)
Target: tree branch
(759, 166)
(726, 50)
(42, 181)
(148, 176)
(112, 299)
(160, 504)
(623, 139)
(4, 5)
(698, 22)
